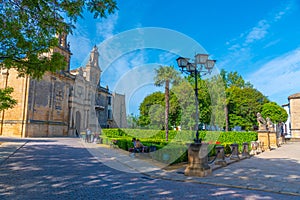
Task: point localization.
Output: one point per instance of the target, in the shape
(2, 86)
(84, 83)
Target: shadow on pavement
(62, 168)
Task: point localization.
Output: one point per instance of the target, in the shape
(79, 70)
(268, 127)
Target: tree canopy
(6, 99)
(233, 79)
(186, 102)
(243, 104)
(151, 107)
(28, 34)
(225, 95)
(28, 30)
(275, 112)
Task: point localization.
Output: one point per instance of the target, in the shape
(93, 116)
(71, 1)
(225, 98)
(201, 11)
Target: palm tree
(166, 75)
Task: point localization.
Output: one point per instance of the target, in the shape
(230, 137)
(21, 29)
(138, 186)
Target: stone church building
(63, 103)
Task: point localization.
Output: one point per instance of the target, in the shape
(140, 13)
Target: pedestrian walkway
(8, 146)
(271, 171)
(275, 171)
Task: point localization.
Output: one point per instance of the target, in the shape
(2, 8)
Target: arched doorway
(77, 122)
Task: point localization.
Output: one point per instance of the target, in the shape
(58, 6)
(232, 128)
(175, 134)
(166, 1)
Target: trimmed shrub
(176, 147)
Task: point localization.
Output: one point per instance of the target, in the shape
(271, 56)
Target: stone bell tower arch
(63, 48)
(93, 71)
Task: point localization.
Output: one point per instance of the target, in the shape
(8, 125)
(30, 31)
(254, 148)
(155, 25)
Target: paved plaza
(68, 168)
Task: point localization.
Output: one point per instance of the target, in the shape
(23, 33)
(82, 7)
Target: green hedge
(176, 146)
(154, 135)
(181, 136)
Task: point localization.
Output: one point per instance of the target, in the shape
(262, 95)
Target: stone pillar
(254, 146)
(273, 140)
(234, 152)
(245, 152)
(198, 160)
(263, 136)
(260, 147)
(220, 160)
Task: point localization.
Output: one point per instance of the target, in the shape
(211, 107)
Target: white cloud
(137, 59)
(258, 32)
(166, 58)
(82, 43)
(279, 15)
(240, 48)
(234, 47)
(284, 10)
(105, 28)
(279, 77)
(121, 66)
(272, 43)
(261, 30)
(136, 83)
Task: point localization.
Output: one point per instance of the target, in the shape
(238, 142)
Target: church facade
(63, 103)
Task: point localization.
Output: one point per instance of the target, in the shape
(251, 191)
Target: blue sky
(260, 39)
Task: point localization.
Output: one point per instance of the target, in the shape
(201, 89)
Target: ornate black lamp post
(201, 66)
(197, 152)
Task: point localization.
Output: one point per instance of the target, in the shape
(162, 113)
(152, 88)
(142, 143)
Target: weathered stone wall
(13, 121)
(102, 100)
(42, 108)
(48, 106)
(294, 101)
(59, 103)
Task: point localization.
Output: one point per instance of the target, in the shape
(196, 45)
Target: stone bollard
(245, 152)
(273, 140)
(234, 152)
(260, 146)
(283, 141)
(220, 160)
(198, 160)
(254, 146)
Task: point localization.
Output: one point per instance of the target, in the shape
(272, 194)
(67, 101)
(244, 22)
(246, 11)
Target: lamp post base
(198, 161)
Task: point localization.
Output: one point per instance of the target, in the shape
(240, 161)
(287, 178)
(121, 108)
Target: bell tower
(63, 48)
(93, 70)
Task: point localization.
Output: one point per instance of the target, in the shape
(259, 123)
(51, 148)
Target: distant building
(294, 106)
(119, 110)
(110, 109)
(63, 103)
(287, 124)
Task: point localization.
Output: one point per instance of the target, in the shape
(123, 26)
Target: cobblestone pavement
(66, 168)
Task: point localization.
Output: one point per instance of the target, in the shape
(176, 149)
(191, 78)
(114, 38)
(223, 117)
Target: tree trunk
(226, 118)
(167, 109)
